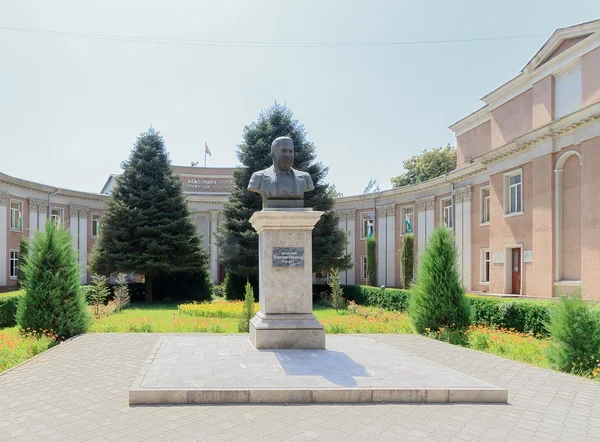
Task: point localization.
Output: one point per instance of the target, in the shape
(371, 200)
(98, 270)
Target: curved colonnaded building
(524, 200)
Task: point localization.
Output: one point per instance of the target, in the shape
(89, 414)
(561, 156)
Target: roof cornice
(31, 185)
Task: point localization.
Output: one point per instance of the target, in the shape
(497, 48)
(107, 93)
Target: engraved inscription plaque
(288, 257)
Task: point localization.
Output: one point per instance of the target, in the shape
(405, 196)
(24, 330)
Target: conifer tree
(408, 259)
(147, 226)
(237, 239)
(438, 298)
(23, 255)
(371, 260)
(53, 298)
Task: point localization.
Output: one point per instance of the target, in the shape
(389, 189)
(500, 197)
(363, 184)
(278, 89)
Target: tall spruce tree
(147, 226)
(237, 239)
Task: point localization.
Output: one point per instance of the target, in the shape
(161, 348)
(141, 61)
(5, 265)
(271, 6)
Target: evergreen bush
(575, 329)
(121, 292)
(98, 293)
(234, 286)
(248, 310)
(23, 255)
(408, 259)
(372, 261)
(337, 293)
(438, 297)
(8, 308)
(53, 298)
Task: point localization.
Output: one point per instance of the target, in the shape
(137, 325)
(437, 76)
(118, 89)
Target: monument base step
(228, 369)
(299, 331)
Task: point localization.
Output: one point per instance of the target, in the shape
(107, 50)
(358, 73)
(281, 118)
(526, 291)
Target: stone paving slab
(78, 392)
(201, 369)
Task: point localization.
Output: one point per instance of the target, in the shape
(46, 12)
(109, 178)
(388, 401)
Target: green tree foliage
(147, 226)
(371, 261)
(575, 329)
(53, 298)
(407, 257)
(438, 298)
(23, 255)
(248, 310)
(98, 292)
(426, 166)
(337, 293)
(237, 239)
(121, 292)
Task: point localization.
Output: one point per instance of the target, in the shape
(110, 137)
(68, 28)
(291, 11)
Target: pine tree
(372, 261)
(438, 298)
(408, 259)
(147, 226)
(98, 292)
(53, 298)
(237, 239)
(337, 293)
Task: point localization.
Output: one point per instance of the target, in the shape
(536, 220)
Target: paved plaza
(204, 369)
(78, 391)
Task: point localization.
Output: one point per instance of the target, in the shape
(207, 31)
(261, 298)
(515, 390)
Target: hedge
(8, 308)
(524, 315)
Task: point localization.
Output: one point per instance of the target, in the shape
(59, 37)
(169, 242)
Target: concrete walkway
(78, 391)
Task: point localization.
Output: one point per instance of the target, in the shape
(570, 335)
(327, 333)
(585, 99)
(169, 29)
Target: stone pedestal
(285, 318)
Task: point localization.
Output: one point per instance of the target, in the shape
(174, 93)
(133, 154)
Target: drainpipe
(49, 195)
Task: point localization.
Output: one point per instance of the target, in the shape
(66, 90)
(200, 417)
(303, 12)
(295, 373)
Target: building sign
(288, 257)
(208, 185)
(498, 258)
(528, 256)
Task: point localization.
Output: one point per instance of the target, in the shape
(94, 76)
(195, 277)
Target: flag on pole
(407, 222)
(20, 222)
(370, 228)
(206, 149)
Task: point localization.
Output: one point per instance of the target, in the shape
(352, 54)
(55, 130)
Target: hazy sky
(71, 108)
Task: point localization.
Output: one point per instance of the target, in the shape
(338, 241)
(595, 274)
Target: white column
(347, 222)
(4, 197)
(43, 208)
(558, 225)
(74, 226)
(381, 230)
(33, 216)
(426, 207)
(214, 261)
(462, 229)
(83, 240)
(391, 246)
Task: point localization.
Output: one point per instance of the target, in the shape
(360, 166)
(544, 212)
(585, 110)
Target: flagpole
(205, 154)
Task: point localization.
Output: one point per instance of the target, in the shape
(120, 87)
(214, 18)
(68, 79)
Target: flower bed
(226, 309)
(16, 346)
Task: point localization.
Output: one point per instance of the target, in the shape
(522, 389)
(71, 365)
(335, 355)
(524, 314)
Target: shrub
(186, 286)
(438, 298)
(8, 309)
(98, 293)
(121, 292)
(337, 293)
(408, 260)
(526, 316)
(575, 329)
(53, 297)
(235, 287)
(372, 261)
(23, 255)
(247, 312)
(219, 290)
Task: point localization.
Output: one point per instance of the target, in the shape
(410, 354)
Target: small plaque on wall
(498, 258)
(528, 256)
(288, 257)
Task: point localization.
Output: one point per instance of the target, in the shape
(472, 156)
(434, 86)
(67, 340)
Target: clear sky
(71, 108)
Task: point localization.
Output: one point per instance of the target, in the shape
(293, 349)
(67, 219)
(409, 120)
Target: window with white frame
(16, 215)
(367, 224)
(513, 192)
(95, 225)
(567, 92)
(56, 215)
(13, 264)
(408, 217)
(447, 212)
(363, 267)
(485, 265)
(485, 205)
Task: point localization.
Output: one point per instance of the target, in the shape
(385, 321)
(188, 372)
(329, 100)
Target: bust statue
(280, 185)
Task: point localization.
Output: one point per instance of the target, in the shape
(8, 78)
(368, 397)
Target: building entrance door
(516, 271)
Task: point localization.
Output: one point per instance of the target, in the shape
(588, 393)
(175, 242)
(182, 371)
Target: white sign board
(528, 256)
(498, 258)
